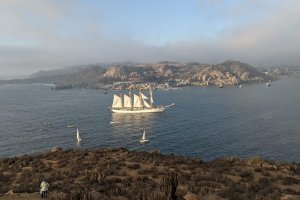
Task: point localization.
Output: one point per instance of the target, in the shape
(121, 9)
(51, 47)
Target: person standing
(44, 189)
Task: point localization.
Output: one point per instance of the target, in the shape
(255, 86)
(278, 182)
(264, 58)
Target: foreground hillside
(121, 174)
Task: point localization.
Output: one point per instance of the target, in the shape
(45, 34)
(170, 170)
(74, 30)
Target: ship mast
(122, 99)
(141, 100)
(151, 96)
(130, 96)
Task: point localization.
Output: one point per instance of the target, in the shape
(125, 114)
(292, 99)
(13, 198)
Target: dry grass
(121, 174)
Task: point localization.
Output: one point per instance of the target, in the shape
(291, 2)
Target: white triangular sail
(143, 96)
(127, 101)
(143, 140)
(144, 135)
(78, 136)
(117, 103)
(151, 100)
(146, 104)
(137, 101)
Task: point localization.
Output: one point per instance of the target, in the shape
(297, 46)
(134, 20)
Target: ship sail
(78, 136)
(127, 101)
(144, 135)
(151, 96)
(151, 100)
(117, 103)
(143, 96)
(146, 104)
(137, 101)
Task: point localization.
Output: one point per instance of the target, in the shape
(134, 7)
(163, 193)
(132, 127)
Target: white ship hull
(145, 110)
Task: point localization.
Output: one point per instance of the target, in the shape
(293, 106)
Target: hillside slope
(119, 174)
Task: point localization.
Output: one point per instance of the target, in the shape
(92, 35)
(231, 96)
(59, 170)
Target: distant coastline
(165, 75)
(162, 75)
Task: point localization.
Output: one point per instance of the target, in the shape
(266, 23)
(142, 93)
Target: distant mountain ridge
(97, 75)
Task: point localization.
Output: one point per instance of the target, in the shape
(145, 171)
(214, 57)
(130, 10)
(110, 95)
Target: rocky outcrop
(190, 196)
(227, 73)
(116, 72)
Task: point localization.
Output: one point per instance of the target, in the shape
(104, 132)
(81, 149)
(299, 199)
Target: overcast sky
(48, 34)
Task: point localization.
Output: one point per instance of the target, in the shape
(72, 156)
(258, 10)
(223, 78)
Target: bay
(206, 122)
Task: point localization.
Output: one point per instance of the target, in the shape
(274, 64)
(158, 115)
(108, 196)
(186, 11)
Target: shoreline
(112, 173)
(109, 88)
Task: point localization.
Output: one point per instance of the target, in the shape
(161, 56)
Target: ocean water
(206, 122)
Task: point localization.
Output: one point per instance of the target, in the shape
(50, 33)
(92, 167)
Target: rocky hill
(227, 73)
(96, 76)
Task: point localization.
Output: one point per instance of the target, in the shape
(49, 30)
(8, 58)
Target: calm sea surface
(206, 122)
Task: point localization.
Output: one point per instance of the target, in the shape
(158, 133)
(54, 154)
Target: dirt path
(24, 196)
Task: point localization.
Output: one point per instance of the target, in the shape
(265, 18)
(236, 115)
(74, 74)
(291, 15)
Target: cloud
(37, 35)
(271, 41)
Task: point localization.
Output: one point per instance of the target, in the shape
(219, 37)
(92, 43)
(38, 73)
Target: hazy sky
(48, 34)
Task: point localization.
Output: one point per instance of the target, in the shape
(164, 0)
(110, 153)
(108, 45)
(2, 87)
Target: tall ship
(123, 103)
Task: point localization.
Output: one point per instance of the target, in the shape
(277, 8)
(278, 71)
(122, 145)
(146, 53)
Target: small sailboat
(268, 84)
(143, 140)
(78, 136)
(71, 125)
(240, 86)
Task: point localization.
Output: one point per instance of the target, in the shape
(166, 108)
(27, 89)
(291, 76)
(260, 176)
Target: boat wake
(173, 104)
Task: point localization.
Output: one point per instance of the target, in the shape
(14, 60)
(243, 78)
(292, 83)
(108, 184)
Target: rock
(10, 192)
(155, 152)
(245, 76)
(285, 170)
(56, 149)
(290, 197)
(190, 196)
(274, 167)
(234, 80)
(255, 161)
(169, 73)
(134, 75)
(233, 159)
